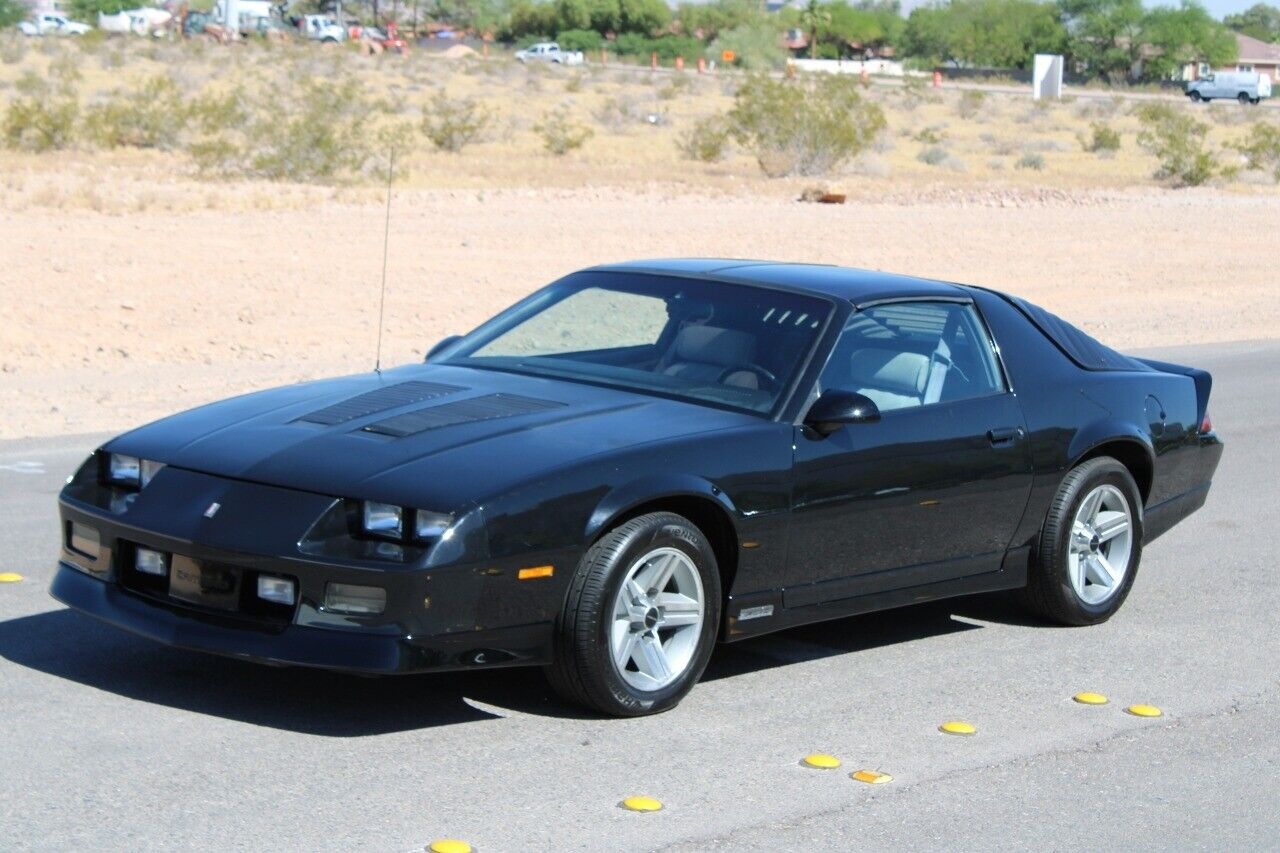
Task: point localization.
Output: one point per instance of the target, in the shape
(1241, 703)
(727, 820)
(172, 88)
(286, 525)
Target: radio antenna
(386, 239)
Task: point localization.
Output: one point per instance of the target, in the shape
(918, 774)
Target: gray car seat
(704, 353)
(893, 380)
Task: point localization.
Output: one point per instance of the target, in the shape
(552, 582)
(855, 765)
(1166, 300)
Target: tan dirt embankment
(111, 321)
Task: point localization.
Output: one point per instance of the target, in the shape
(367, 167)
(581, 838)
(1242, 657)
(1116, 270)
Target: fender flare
(1107, 431)
(622, 499)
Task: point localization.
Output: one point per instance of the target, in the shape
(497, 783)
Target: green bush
(583, 40)
(41, 124)
(1178, 142)
(755, 45)
(44, 116)
(560, 134)
(706, 141)
(151, 115)
(667, 47)
(1103, 138)
(452, 125)
(1261, 148)
(315, 132)
(805, 125)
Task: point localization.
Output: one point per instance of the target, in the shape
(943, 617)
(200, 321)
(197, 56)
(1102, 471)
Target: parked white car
(143, 21)
(322, 28)
(549, 51)
(1245, 87)
(53, 24)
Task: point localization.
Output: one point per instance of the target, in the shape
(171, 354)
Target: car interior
(913, 354)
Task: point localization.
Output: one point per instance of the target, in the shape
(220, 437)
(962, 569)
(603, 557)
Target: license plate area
(204, 584)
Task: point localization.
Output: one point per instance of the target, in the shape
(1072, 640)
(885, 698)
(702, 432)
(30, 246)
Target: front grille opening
(231, 593)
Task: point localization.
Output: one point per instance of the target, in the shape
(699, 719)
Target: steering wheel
(762, 372)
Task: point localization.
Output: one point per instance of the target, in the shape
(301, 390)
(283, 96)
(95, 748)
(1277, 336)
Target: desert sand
(109, 321)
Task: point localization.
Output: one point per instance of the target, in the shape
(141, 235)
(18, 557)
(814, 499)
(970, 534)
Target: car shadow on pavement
(842, 636)
(68, 645)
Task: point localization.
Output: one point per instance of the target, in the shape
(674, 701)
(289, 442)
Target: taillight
(1206, 425)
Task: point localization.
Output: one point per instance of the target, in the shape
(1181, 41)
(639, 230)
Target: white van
(1245, 87)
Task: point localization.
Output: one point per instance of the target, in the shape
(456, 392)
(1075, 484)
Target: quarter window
(911, 354)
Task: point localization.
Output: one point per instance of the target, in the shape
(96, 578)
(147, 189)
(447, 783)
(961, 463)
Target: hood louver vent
(381, 400)
(483, 408)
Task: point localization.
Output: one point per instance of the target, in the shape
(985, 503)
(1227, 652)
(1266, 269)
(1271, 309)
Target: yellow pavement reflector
(10, 577)
(1090, 698)
(449, 845)
(1145, 711)
(871, 777)
(535, 572)
(821, 761)
(641, 804)
(956, 727)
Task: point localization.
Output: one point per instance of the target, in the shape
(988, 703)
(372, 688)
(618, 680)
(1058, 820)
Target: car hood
(434, 436)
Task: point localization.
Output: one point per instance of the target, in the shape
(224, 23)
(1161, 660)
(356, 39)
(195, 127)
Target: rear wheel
(1243, 98)
(1089, 546)
(640, 619)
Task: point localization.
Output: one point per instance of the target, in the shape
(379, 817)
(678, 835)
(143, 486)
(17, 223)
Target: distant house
(1255, 55)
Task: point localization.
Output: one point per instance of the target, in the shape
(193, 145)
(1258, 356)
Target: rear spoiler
(1202, 379)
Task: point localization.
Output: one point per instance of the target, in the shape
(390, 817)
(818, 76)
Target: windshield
(729, 345)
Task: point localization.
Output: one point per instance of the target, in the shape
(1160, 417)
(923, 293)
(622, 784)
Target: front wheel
(1089, 546)
(1195, 96)
(640, 618)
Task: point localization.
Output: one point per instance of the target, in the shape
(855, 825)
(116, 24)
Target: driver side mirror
(836, 408)
(444, 344)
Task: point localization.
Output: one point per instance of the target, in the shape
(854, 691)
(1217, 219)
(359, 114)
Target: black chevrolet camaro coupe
(640, 460)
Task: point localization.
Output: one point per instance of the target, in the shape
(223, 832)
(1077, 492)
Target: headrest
(899, 372)
(714, 345)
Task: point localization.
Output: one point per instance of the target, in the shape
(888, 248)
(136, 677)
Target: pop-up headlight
(430, 525)
(130, 472)
(382, 520)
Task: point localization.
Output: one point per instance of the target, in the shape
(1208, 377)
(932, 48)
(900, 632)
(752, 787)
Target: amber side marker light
(536, 572)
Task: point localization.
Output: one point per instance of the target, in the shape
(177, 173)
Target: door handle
(1003, 435)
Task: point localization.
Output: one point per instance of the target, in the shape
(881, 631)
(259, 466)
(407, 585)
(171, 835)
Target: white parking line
(25, 467)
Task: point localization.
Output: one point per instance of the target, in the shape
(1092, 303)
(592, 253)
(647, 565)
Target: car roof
(854, 285)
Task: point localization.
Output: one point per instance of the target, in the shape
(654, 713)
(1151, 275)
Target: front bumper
(297, 645)
(458, 615)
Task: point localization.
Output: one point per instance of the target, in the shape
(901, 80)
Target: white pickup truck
(52, 24)
(549, 51)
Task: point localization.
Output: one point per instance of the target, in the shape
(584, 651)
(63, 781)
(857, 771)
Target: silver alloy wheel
(657, 619)
(1101, 544)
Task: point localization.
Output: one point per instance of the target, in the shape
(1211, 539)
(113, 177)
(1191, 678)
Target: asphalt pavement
(110, 741)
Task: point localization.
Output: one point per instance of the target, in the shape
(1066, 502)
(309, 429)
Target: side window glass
(909, 354)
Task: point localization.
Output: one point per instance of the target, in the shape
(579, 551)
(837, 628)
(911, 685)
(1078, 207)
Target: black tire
(1195, 96)
(583, 671)
(1049, 592)
(1243, 98)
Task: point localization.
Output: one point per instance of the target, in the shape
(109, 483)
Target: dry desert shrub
(150, 115)
(560, 134)
(803, 126)
(1103, 139)
(1030, 160)
(451, 125)
(1261, 149)
(1178, 143)
(706, 141)
(971, 102)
